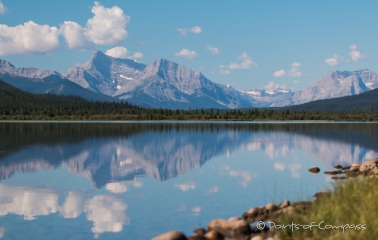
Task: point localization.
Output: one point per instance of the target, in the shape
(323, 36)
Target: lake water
(137, 180)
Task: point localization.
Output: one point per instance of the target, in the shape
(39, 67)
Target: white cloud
(74, 205)
(213, 50)
(186, 186)
(279, 73)
(107, 213)
(122, 52)
(28, 201)
(355, 54)
(296, 64)
(107, 27)
(224, 72)
(272, 86)
(186, 53)
(182, 31)
(247, 62)
(116, 187)
(29, 38)
(3, 9)
(335, 60)
(137, 55)
(296, 82)
(195, 30)
(293, 72)
(74, 35)
(332, 61)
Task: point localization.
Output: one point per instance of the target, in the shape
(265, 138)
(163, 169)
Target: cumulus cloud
(122, 52)
(107, 27)
(334, 60)
(272, 86)
(293, 72)
(74, 35)
(186, 53)
(29, 38)
(247, 62)
(224, 72)
(74, 205)
(27, 201)
(279, 73)
(213, 50)
(195, 30)
(107, 213)
(355, 53)
(3, 9)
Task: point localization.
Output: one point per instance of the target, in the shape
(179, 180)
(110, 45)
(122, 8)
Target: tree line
(19, 105)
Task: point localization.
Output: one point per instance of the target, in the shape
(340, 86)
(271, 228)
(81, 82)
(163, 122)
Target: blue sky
(247, 44)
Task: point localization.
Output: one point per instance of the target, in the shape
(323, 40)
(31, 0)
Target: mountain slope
(337, 84)
(51, 84)
(31, 72)
(161, 84)
(267, 98)
(367, 101)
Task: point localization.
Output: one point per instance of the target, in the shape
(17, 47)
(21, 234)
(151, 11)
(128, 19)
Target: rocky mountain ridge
(165, 84)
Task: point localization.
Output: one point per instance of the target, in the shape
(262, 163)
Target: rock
(355, 167)
(271, 207)
(375, 171)
(314, 169)
(232, 219)
(172, 235)
(286, 210)
(255, 230)
(239, 229)
(200, 231)
(338, 166)
(319, 195)
(338, 177)
(285, 204)
(214, 235)
(369, 165)
(250, 215)
(346, 168)
(332, 172)
(257, 237)
(196, 237)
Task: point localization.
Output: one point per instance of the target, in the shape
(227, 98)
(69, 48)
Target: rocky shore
(245, 227)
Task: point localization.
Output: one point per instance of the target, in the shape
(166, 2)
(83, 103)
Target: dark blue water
(137, 180)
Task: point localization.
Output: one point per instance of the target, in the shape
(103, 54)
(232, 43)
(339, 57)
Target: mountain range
(165, 84)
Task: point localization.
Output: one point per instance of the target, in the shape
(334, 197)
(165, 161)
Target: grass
(353, 201)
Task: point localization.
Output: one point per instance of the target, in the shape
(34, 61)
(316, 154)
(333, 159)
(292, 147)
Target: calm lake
(137, 180)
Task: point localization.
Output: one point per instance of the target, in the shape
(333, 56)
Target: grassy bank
(352, 205)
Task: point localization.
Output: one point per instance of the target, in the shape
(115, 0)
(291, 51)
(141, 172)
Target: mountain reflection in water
(116, 156)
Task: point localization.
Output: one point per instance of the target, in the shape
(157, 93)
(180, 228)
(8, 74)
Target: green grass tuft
(353, 202)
